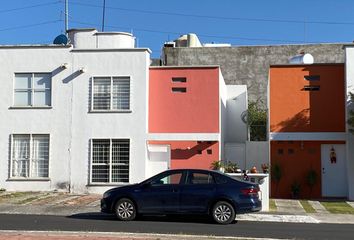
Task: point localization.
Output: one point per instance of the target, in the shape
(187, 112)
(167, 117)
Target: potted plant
(217, 165)
(276, 176)
(253, 170)
(311, 179)
(265, 168)
(295, 189)
(231, 167)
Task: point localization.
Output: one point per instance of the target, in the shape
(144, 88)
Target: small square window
(111, 93)
(291, 151)
(209, 151)
(32, 89)
(312, 88)
(312, 78)
(280, 151)
(110, 160)
(311, 150)
(199, 151)
(30, 156)
(179, 79)
(179, 89)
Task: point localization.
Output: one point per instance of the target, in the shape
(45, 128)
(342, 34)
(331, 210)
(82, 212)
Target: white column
(349, 55)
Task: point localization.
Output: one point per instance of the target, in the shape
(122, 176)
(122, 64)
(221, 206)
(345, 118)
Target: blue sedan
(184, 191)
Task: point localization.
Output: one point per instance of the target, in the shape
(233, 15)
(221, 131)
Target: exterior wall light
(64, 65)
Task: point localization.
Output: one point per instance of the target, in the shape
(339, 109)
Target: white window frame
(32, 89)
(111, 109)
(110, 162)
(11, 177)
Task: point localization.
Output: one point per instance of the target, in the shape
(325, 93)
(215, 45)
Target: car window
(220, 179)
(173, 178)
(201, 178)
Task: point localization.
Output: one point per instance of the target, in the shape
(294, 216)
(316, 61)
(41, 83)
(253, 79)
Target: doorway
(334, 174)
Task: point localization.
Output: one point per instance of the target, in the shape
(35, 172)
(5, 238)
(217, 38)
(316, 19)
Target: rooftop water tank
(181, 41)
(302, 59)
(193, 40)
(90, 39)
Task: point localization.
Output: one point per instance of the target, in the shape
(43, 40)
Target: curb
(277, 218)
(119, 235)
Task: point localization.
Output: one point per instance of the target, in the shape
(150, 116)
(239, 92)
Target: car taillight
(250, 191)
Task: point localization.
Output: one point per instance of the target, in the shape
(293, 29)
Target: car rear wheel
(125, 210)
(223, 212)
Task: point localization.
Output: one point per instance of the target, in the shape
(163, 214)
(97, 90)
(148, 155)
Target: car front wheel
(223, 212)
(125, 210)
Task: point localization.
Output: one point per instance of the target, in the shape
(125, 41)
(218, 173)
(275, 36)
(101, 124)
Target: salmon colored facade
(304, 99)
(192, 154)
(186, 101)
(194, 111)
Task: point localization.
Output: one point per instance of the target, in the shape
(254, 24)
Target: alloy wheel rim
(125, 210)
(222, 213)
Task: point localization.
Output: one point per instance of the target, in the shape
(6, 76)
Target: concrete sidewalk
(43, 235)
(64, 204)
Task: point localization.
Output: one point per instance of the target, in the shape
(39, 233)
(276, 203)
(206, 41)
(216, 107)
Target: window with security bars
(111, 93)
(110, 160)
(30, 156)
(32, 89)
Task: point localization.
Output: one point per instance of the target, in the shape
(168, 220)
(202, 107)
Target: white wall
(349, 60)
(88, 125)
(159, 159)
(222, 115)
(236, 153)
(248, 154)
(53, 121)
(236, 104)
(257, 153)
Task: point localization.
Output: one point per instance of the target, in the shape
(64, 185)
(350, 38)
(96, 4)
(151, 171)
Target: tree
(350, 120)
(257, 121)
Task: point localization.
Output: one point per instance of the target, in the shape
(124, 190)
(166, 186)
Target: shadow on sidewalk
(147, 218)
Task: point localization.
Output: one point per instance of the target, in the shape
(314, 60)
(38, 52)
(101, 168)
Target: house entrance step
(319, 208)
(289, 206)
(351, 204)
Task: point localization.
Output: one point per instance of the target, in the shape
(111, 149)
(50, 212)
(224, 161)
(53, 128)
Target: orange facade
(296, 159)
(184, 100)
(307, 98)
(303, 98)
(192, 154)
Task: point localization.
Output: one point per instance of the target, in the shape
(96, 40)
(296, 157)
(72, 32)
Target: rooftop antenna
(103, 14)
(66, 17)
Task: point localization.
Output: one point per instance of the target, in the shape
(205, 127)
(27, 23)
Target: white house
(74, 117)
(349, 76)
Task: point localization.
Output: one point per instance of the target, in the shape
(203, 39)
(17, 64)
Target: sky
(153, 22)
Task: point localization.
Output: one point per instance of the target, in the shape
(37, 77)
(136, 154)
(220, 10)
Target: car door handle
(323, 170)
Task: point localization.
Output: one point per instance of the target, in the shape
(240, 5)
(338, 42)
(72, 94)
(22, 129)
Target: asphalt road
(176, 225)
